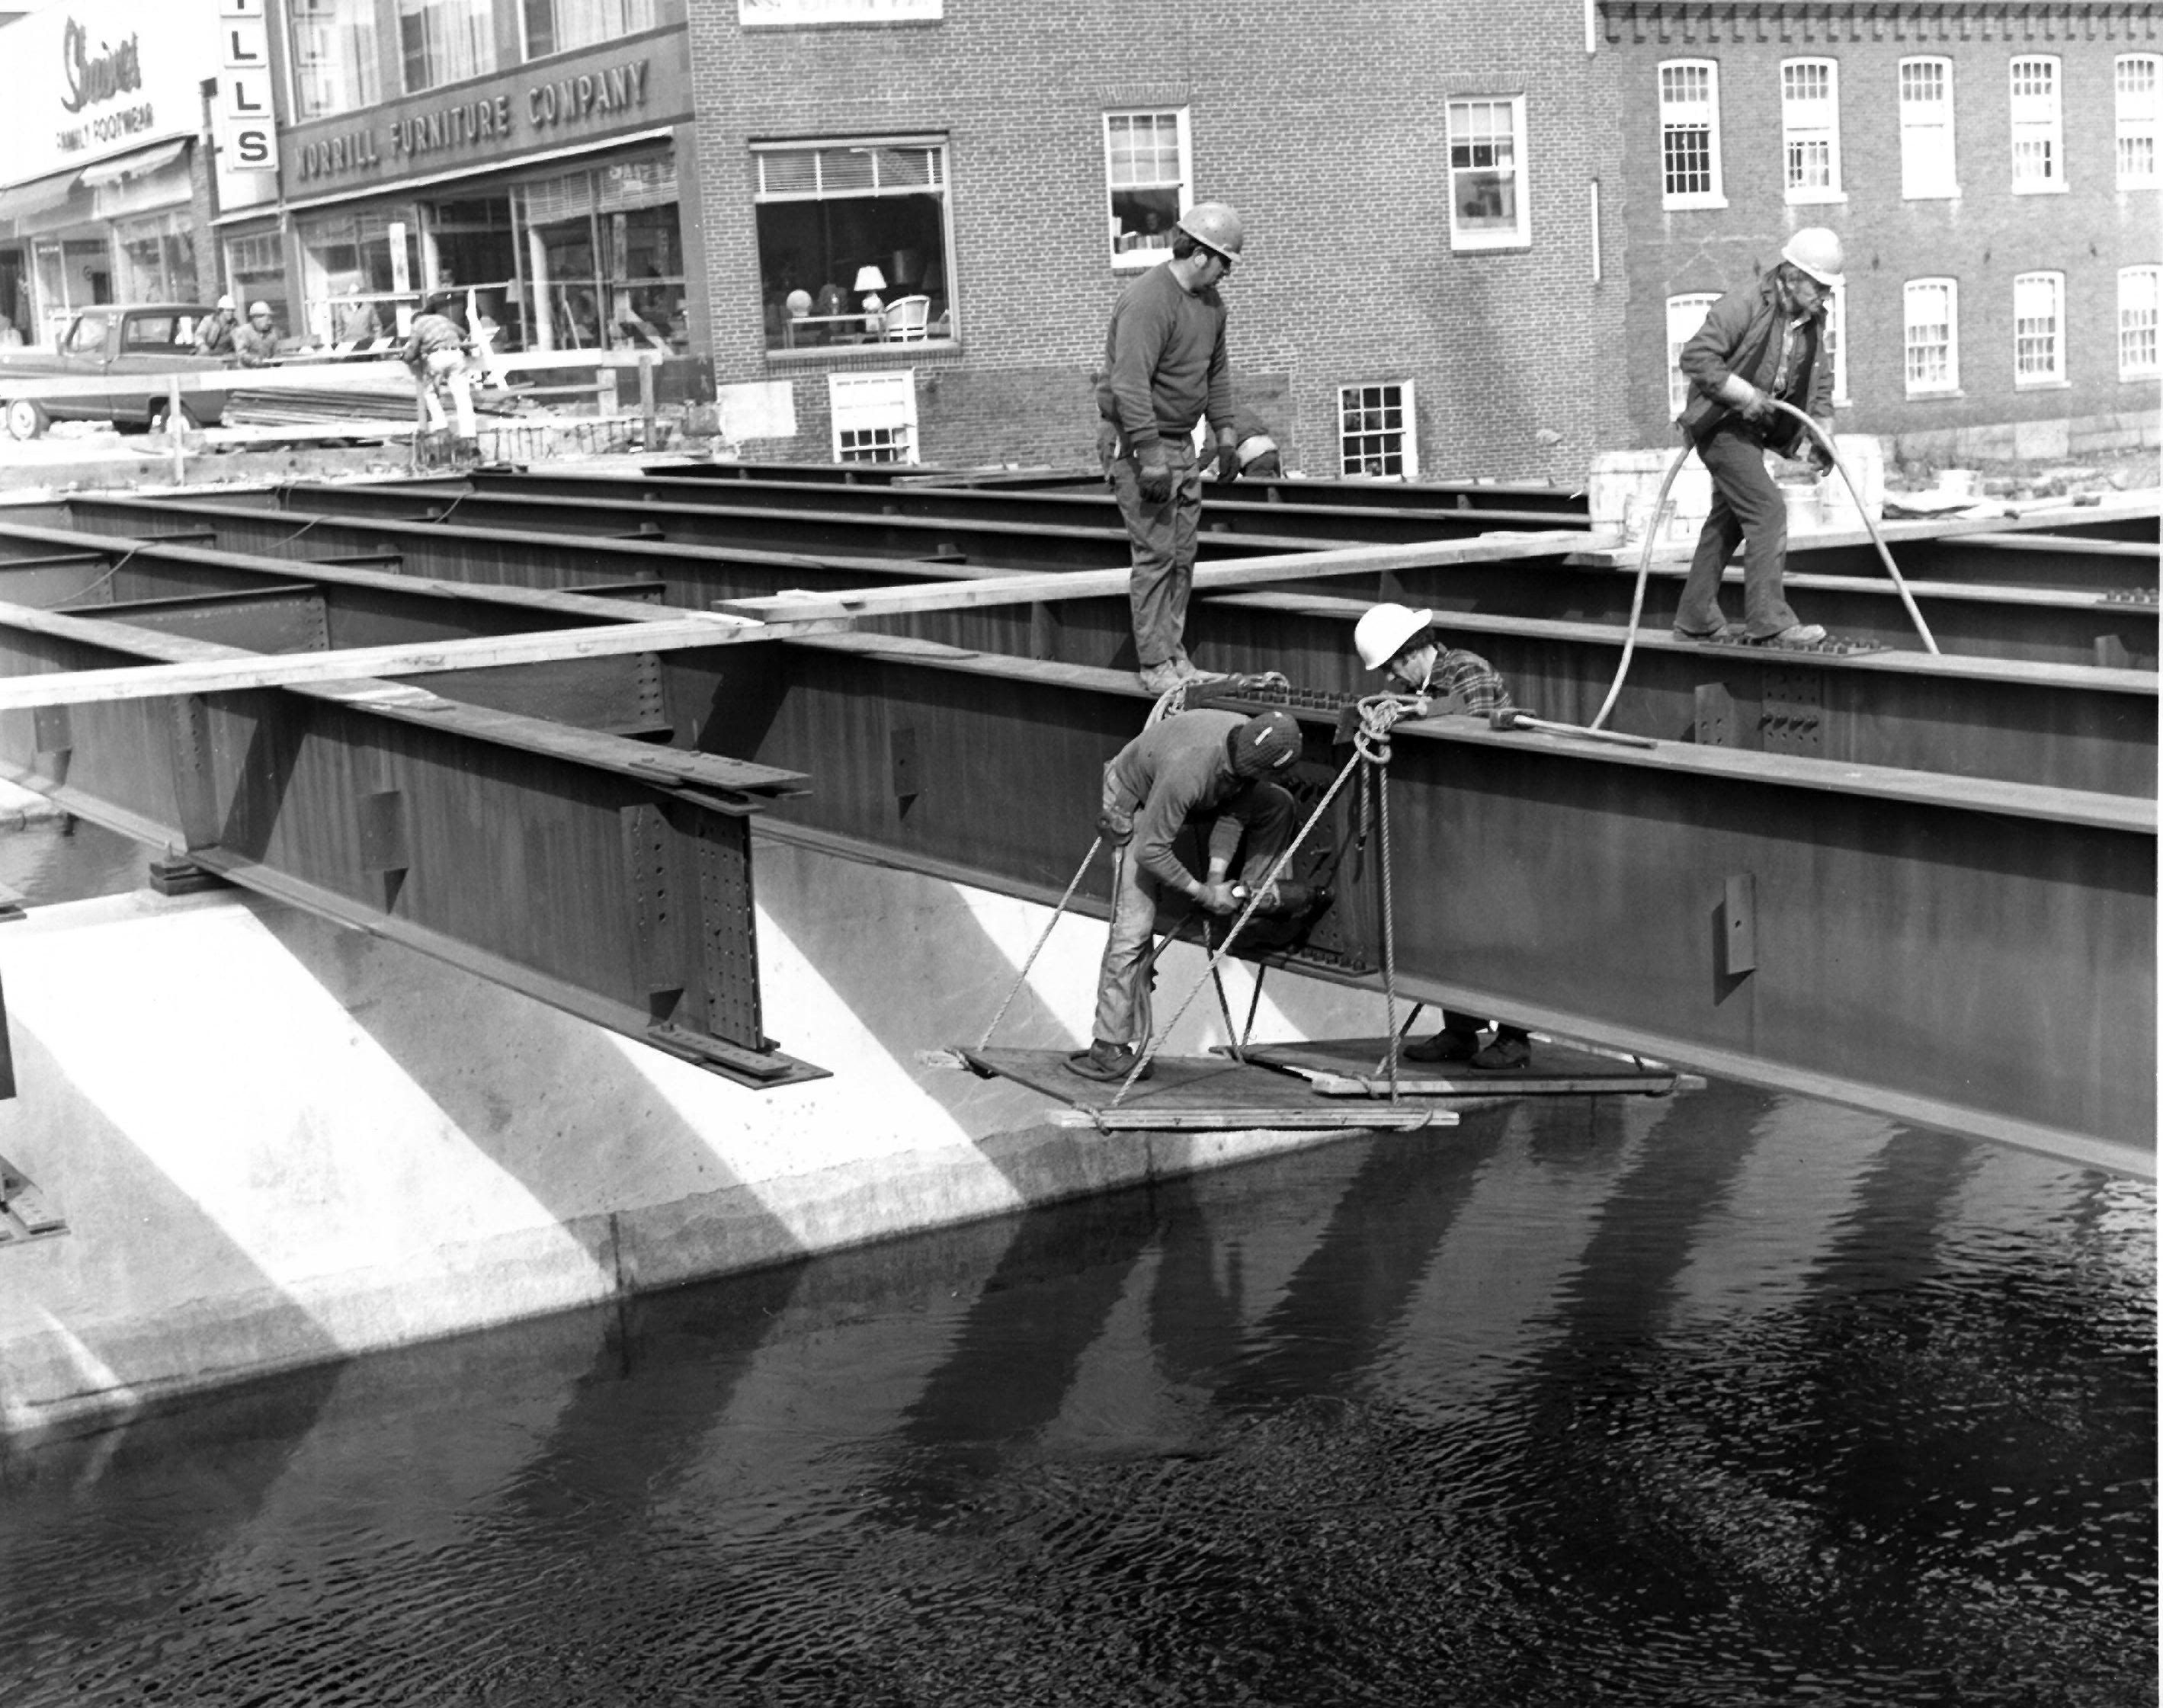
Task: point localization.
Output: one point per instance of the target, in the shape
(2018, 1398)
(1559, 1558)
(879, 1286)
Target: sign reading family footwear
(594, 95)
(245, 130)
(90, 79)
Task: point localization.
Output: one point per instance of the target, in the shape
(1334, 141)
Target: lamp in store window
(870, 281)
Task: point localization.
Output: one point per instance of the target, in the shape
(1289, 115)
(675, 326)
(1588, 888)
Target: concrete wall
(277, 1142)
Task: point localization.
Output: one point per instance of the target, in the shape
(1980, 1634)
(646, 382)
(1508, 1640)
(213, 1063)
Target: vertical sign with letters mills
(246, 125)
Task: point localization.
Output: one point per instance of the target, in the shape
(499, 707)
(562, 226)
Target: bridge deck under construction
(1924, 885)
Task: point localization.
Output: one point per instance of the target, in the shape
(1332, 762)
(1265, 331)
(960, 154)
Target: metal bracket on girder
(25, 1211)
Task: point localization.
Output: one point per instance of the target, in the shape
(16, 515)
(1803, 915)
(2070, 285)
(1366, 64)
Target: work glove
(1115, 827)
(1816, 455)
(1227, 459)
(1156, 472)
(1759, 407)
(1220, 898)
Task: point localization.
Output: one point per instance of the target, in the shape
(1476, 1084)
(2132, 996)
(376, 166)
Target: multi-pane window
(2038, 328)
(1930, 335)
(2038, 143)
(1376, 431)
(874, 417)
(445, 41)
(334, 58)
(556, 26)
(2136, 121)
(1810, 129)
(1835, 341)
(256, 267)
(1926, 129)
(1145, 178)
(1487, 206)
(1685, 315)
(2138, 289)
(848, 231)
(1690, 134)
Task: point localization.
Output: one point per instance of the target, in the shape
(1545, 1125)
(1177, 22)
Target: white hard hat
(1386, 630)
(256, 308)
(225, 301)
(1818, 252)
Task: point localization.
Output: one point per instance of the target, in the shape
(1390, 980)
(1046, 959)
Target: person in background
(1164, 365)
(435, 355)
(1196, 762)
(1763, 342)
(1404, 645)
(214, 331)
(359, 323)
(255, 340)
(1255, 452)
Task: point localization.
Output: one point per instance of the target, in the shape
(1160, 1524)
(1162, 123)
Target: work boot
(1449, 1044)
(1110, 1062)
(1509, 1050)
(1795, 635)
(1159, 679)
(1191, 672)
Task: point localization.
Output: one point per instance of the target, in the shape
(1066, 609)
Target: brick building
(1420, 288)
(1991, 167)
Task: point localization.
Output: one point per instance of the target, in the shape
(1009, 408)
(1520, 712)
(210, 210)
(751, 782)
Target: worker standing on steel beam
(1763, 342)
(1196, 762)
(1164, 365)
(1404, 644)
(435, 355)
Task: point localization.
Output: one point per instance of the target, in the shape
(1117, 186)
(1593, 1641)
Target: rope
(1652, 535)
(96, 582)
(1389, 926)
(1370, 746)
(1021, 977)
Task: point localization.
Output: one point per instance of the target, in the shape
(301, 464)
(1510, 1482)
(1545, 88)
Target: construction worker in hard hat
(214, 331)
(1762, 342)
(1164, 365)
(1404, 645)
(255, 339)
(1191, 764)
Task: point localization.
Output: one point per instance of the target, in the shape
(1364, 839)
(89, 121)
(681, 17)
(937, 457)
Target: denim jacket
(1742, 335)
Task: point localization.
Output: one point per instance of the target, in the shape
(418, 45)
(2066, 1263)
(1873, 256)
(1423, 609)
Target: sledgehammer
(1509, 718)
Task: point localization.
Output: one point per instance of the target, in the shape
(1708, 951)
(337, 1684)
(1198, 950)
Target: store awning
(137, 164)
(22, 200)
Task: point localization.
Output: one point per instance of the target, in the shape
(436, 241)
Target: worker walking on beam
(1406, 646)
(1164, 365)
(1763, 342)
(1189, 764)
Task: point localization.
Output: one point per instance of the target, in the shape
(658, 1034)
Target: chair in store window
(908, 320)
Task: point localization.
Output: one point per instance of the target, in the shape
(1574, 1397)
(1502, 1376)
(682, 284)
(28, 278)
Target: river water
(1725, 1399)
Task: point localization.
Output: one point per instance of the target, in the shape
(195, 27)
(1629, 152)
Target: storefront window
(334, 60)
(157, 258)
(556, 26)
(72, 274)
(469, 246)
(357, 273)
(256, 265)
(852, 242)
(605, 258)
(445, 41)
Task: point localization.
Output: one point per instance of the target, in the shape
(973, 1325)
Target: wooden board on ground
(1345, 1067)
(1195, 1094)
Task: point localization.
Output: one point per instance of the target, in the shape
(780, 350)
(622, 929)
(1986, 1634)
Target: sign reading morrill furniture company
(625, 86)
(88, 79)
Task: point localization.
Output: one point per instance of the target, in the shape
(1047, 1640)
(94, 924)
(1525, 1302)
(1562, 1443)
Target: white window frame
(1678, 116)
(1519, 234)
(1688, 309)
(2139, 328)
(2137, 107)
(1836, 339)
(1929, 169)
(1406, 450)
(1136, 259)
(2039, 121)
(873, 412)
(1806, 122)
(2039, 335)
(1947, 385)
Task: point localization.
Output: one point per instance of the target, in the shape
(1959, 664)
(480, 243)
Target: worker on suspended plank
(1195, 762)
(1405, 645)
(1763, 342)
(1164, 365)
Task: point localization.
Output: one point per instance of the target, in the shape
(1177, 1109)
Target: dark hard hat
(1266, 742)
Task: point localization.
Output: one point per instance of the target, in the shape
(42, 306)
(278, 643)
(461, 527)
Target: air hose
(1651, 536)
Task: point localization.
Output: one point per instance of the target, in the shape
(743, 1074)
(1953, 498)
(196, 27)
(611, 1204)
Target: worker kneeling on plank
(1196, 762)
(1763, 342)
(1403, 644)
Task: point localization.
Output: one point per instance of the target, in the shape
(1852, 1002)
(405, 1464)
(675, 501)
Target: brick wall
(1326, 127)
(1982, 238)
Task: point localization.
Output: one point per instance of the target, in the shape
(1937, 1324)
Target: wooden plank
(1348, 1068)
(1096, 584)
(1195, 1094)
(2071, 545)
(418, 658)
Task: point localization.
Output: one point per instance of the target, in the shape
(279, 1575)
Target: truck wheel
(27, 419)
(188, 422)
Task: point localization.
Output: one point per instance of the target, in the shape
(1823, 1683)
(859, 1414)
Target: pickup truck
(114, 364)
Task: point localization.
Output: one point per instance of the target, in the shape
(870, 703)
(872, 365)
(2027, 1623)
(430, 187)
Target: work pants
(1123, 983)
(1746, 505)
(442, 379)
(1161, 533)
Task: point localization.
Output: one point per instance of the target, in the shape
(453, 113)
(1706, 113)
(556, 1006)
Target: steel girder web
(604, 876)
(1973, 955)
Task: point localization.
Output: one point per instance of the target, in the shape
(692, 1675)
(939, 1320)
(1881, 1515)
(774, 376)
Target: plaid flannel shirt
(1469, 679)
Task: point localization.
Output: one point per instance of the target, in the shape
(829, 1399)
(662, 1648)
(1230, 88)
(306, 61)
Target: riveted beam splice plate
(1346, 1067)
(1186, 1093)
